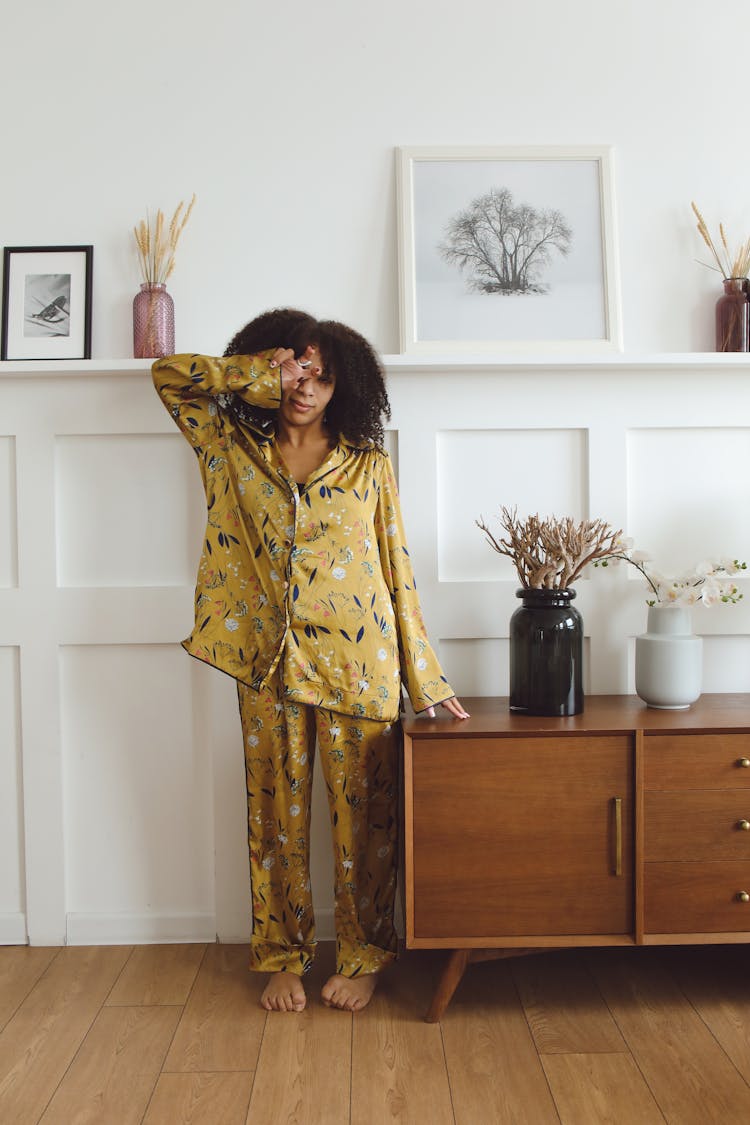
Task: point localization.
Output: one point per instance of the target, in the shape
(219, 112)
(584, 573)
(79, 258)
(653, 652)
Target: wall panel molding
(113, 722)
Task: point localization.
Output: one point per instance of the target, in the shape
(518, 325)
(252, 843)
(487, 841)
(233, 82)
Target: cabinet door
(516, 837)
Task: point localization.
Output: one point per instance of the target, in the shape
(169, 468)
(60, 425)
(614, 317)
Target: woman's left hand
(452, 706)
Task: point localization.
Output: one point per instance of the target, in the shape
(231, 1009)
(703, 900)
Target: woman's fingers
(280, 356)
(293, 370)
(455, 708)
(452, 706)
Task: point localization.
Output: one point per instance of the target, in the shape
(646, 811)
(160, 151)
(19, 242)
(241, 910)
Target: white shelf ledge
(620, 361)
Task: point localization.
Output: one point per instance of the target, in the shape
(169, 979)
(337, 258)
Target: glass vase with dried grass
(153, 307)
(733, 306)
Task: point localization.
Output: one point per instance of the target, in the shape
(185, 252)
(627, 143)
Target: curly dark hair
(359, 403)
(277, 328)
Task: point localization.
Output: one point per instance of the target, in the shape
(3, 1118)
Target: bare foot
(351, 994)
(283, 993)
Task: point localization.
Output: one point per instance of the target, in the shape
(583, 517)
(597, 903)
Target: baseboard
(148, 929)
(13, 929)
(139, 929)
(325, 930)
(325, 926)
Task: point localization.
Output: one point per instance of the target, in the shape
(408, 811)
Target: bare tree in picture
(504, 247)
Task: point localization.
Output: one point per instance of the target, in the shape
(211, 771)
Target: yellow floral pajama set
(306, 596)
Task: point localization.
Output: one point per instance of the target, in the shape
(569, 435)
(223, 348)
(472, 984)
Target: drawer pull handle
(618, 835)
(744, 763)
(744, 825)
(743, 896)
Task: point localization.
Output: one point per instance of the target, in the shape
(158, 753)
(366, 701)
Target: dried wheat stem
(156, 246)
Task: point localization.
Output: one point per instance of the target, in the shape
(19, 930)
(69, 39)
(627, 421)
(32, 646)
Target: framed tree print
(507, 249)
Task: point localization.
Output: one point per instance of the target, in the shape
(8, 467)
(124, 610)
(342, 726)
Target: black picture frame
(47, 293)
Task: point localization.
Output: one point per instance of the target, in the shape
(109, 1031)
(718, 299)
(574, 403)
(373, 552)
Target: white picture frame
(460, 291)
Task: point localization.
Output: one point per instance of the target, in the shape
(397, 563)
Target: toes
(283, 995)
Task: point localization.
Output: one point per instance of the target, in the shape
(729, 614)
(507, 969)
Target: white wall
(121, 805)
(284, 117)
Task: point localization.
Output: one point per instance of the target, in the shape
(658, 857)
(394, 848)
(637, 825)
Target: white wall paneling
(122, 807)
(115, 525)
(677, 473)
(138, 839)
(540, 469)
(12, 895)
(8, 530)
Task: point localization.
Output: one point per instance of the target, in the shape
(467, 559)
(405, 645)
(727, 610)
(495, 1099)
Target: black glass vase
(546, 654)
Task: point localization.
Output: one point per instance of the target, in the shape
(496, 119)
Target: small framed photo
(507, 249)
(47, 302)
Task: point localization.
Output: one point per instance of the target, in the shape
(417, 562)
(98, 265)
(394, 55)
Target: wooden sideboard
(623, 825)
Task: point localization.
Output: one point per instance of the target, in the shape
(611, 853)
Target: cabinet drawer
(701, 897)
(697, 761)
(697, 824)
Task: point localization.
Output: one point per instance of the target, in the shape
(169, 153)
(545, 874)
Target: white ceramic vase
(668, 659)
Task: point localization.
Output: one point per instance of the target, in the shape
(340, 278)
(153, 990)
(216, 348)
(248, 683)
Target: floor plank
(304, 1067)
(688, 1073)
(73, 1051)
(716, 981)
(222, 1024)
(114, 1073)
(565, 1010)
(600, 1089)
(39, 1042)
(200, 1099)
(21, 966)
(399, 1072)
(495, 1072)
(158, 974)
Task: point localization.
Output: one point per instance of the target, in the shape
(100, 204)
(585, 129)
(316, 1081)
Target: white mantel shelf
(407, 364)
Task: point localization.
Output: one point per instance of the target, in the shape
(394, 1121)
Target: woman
(306, 596)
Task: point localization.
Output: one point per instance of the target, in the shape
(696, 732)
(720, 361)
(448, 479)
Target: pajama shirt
(306, 596)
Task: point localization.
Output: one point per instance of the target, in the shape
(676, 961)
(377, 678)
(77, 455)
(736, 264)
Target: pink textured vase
(153, 322)
(733, 317)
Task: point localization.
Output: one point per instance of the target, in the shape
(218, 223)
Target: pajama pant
(359, 758)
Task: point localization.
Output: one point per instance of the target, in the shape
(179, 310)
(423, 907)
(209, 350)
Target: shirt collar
(267, 435)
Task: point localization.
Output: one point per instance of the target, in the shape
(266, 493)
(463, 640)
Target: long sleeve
(421, 673)
(190, 385)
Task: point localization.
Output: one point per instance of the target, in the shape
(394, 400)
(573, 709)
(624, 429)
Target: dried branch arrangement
(157, 243)
(549, 554)
(727, 263)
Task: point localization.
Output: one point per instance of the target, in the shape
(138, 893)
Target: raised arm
(189, 386)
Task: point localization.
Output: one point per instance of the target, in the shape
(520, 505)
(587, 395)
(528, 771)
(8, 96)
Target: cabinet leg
(450, 977)
(455, 968)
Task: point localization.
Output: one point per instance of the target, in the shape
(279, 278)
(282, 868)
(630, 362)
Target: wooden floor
(172, 1034)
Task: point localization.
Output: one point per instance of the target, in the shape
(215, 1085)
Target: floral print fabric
(314, 579)
(359, 760)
